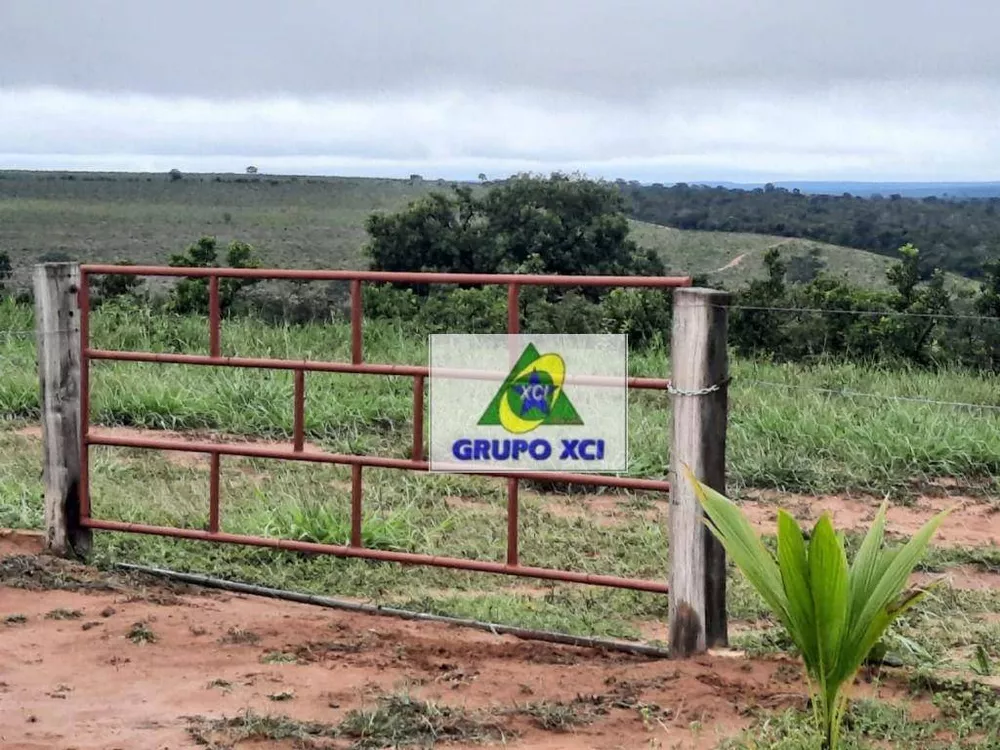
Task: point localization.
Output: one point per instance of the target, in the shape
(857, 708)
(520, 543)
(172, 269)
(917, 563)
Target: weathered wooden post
(699, 384)
(57, 328)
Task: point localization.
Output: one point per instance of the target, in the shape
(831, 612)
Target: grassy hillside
(733, 258)
(300, 222)
(295, 222)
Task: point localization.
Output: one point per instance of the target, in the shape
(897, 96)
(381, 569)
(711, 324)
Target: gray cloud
(646, 89)
(874, 131)
(628, 49)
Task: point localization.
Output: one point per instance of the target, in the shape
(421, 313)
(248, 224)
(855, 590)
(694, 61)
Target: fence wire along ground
(357, 365)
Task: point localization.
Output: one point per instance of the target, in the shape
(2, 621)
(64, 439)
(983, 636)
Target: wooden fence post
(57, 325)
(699, 380)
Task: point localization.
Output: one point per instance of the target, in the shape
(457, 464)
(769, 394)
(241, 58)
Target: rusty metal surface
(393, 277)
(357, 365)
(407, 558)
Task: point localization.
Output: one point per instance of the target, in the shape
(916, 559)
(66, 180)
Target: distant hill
(957, 236)
(732, 258)
(956, 190)
(296, 222)
(309, 222)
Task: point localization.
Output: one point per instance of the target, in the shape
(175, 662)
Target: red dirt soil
(82, 683)
(974, 523)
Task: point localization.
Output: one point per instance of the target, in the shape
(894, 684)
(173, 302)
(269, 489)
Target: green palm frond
(835, 613)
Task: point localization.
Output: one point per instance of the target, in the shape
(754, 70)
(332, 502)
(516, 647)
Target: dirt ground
(95, 661)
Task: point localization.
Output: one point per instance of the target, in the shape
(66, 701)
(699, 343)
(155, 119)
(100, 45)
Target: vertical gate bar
(298, 418)
(214, 347)
(513, 320)
(418, 418)
(83, 298)
(512, 522)
(356, 312)
(356, 505)
(513, 308)
(213, 495)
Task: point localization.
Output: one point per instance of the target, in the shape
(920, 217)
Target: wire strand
(883, 396)
(893, 313)
(33, 334)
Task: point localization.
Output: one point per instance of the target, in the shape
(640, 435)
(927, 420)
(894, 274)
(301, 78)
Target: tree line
(953, 235)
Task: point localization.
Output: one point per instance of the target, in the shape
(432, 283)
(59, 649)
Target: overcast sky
(644, 89)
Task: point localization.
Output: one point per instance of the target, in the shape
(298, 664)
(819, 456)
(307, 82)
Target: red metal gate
(357, 365)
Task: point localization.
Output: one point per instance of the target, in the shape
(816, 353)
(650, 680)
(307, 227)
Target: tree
(6, 269)
(191, 294)
(908, 335)
(55, 256)
(804, 268)
(559, 224)
(757, 328)
(987, 304)
(988, 300)
(114, 286)
(175, 174)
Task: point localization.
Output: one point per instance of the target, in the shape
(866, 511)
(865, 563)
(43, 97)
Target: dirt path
(732, 264)
(93, 661)
(973, 523)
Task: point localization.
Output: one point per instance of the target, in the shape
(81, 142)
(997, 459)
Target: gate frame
(698, 384)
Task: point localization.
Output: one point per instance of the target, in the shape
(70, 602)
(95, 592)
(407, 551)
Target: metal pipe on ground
(547, 636)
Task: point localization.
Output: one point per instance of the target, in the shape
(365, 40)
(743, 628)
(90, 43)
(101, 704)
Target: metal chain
(699, 391)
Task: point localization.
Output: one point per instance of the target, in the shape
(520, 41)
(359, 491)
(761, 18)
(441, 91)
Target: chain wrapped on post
(699, 391)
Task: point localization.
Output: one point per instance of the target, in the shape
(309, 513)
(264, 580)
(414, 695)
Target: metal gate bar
(357, 365)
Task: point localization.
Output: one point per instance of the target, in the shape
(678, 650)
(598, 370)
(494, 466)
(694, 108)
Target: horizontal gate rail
(415, 371)
(376, 462)
(405, 558)
(392, 277)
(357, 365)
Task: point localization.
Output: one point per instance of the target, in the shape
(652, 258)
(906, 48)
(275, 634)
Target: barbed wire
(866, 394)
(883, 313)
(704, 391)
(33, 334)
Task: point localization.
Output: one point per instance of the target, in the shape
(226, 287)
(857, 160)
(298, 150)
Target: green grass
(968, 719)
(395, 721)
(299, 222)
(789, 427)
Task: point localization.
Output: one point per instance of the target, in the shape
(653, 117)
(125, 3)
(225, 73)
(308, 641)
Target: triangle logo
(532, 395)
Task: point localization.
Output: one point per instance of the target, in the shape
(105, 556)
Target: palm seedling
(835, 613)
